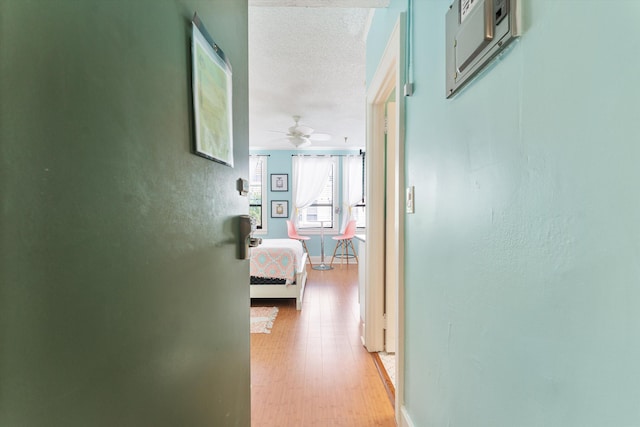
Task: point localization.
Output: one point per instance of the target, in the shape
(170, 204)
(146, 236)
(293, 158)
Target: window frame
(363, 201)
(362, 205)
(263, 229)
(334, 199)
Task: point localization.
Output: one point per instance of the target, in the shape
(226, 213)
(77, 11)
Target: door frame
(391, 224)
(388, 76)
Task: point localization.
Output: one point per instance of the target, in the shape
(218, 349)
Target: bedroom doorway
(384, 294)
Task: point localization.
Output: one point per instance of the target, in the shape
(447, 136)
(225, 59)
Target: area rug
(262, 319)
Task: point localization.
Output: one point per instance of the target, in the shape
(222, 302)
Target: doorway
(384, 294)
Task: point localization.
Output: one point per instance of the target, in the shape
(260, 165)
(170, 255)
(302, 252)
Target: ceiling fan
(301, 136)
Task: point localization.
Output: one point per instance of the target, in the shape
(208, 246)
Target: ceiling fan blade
(320, 137)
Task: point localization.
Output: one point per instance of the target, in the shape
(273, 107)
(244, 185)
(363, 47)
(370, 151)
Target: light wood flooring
(312, 369)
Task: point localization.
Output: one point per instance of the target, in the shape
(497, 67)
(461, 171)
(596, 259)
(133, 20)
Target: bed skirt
(268, 281)
(292, 290)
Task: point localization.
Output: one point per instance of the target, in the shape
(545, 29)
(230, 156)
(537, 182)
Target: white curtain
(309, 176)
(351, 187)
(254, 162)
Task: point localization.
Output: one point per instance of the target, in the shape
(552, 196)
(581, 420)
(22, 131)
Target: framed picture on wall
(279, 209)
(279, 182)
(212, 104)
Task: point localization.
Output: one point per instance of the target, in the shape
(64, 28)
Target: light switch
(411, 200)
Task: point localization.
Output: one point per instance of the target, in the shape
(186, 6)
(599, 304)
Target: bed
(278, 270)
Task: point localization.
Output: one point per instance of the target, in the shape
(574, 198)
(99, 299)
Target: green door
(122, 301)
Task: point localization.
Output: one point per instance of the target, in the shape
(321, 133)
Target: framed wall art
(279, 182)
(212, 97)
(279, 209)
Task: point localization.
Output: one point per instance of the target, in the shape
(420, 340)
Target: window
(353, 194)
(320, 213)
(257, 190)
(359, 211)
(359, 215)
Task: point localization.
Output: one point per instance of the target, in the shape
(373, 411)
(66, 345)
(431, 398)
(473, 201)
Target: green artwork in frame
(212, 98)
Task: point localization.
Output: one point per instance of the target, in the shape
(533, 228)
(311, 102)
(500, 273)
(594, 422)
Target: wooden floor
(312, 370)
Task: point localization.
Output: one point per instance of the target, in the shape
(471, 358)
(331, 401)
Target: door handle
(247, 227)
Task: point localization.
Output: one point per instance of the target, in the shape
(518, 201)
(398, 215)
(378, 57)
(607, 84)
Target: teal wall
(279, 161)
(523, 256)
(122, 302)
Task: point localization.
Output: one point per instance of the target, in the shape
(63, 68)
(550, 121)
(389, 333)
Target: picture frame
(279, 182)
(279, 209)
(212, 97)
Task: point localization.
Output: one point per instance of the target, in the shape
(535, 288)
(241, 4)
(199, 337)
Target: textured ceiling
(308, 59)
(320, 3)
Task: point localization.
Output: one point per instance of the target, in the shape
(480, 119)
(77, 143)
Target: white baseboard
(327, 259)
(405, 419)
(316, 259)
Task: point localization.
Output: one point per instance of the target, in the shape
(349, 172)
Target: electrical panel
(476, 31)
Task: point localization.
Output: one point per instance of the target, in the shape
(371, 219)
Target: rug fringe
(272, 318)
(262, 322)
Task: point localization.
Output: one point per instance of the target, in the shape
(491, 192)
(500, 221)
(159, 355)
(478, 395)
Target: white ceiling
(307, 58)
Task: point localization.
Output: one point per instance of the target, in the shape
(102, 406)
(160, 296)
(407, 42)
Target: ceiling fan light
(299, 142)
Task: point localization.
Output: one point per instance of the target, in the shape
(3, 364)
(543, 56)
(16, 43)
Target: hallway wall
(122, 302)
(523, 255)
